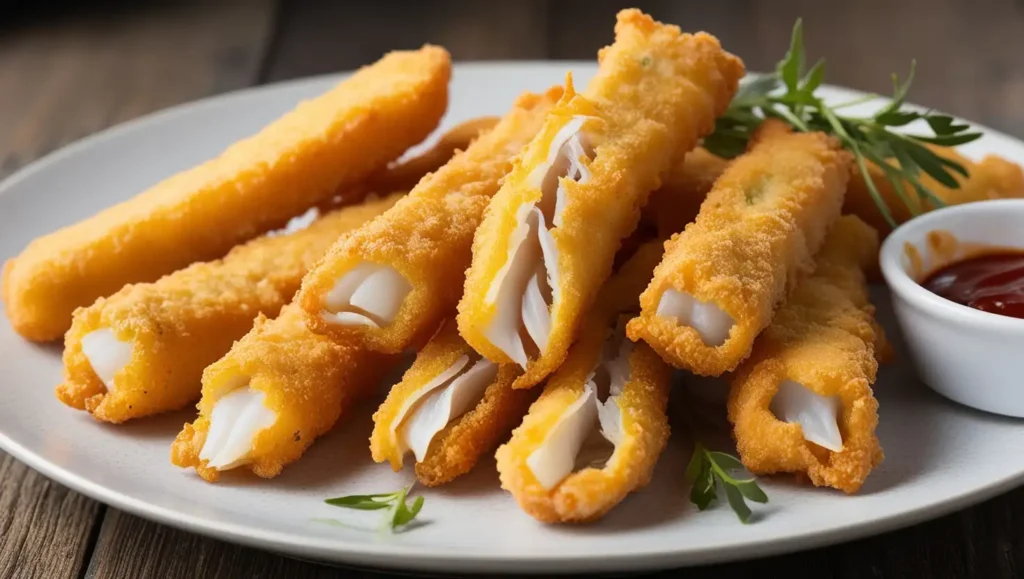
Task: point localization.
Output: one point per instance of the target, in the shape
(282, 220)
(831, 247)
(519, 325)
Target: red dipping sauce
(990, 282)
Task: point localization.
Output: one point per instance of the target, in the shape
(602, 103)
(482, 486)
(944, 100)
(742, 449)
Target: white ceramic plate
(939, 457)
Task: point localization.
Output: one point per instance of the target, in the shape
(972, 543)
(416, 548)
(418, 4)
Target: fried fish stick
(803, 401)
(393, 281)
(722, 278)
(991, 178)
(549, 237)
(677, 202)
(451, 407)
(255, 186)
(277, 390)
(142, 350)
(610, 392)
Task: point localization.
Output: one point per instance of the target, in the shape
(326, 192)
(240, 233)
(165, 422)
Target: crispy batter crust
(254, 186)
(826, 339)
(427, 236)
(590, 493)
(309, 381)
(456, 449)
(656, 93)
(187, 320)
(753, 240)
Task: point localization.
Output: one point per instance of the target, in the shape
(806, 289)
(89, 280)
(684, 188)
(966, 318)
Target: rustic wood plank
(45, 529)
(60, 82)
(63, 80)
(319, 37)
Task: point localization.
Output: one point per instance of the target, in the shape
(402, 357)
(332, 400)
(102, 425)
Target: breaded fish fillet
(549, 237)
(256, 185)
(609, 392)
(142, 350)
(450, 408)
(722, 279)
(991, 178)
(392, 282)
(803, 401)
(277, 390)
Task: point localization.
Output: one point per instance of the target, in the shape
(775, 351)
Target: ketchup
(990, 282)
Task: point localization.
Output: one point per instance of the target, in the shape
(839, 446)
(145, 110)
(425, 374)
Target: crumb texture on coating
(323, 146)
(308, 382)
(187, 320)
(753, 240)
(656, 93)
(825, 338)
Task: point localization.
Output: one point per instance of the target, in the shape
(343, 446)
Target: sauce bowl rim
(900, 282)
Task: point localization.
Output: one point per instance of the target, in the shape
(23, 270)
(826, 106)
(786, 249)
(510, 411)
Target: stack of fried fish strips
(550, 269)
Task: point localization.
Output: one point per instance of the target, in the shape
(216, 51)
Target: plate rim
(394, 556)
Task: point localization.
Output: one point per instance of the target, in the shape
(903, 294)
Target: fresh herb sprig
(710, 469)
(399, 513)
(789, 94)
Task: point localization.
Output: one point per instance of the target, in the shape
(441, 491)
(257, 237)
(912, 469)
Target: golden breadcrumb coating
(455, 450)
(589, 493)
(678, 201)
(991, 178)
(308, 381)
(826, 339)
(656, 93)
(187, 320)
(754, 238)
(427, 236)
(256, 185)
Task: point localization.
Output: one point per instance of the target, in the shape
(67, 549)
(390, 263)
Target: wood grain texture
(58, 83)
(45, 529)
(68, 78)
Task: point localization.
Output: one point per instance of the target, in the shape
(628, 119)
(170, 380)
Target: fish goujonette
(722, 279)
(451, 408)
(277, 390)
(392, 282)
(550, 235)
(803, 401)
(142, 351)
(599, 426)
(256, 185)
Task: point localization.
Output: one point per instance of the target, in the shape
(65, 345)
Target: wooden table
(68, 72)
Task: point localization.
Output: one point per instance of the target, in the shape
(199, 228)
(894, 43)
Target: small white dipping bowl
(973, 357)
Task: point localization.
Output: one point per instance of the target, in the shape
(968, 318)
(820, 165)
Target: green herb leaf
(790, 69)
(869, 139)
(709, 469)
(363, 502)
(399, 513)
(739, 506)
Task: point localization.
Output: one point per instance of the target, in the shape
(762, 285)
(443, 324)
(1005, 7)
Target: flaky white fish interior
(596, 408)
(817, 415)
(367, 295)
(446, 397)
(526, 288)
(106, 354)
(236, 419)
(711, 322)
